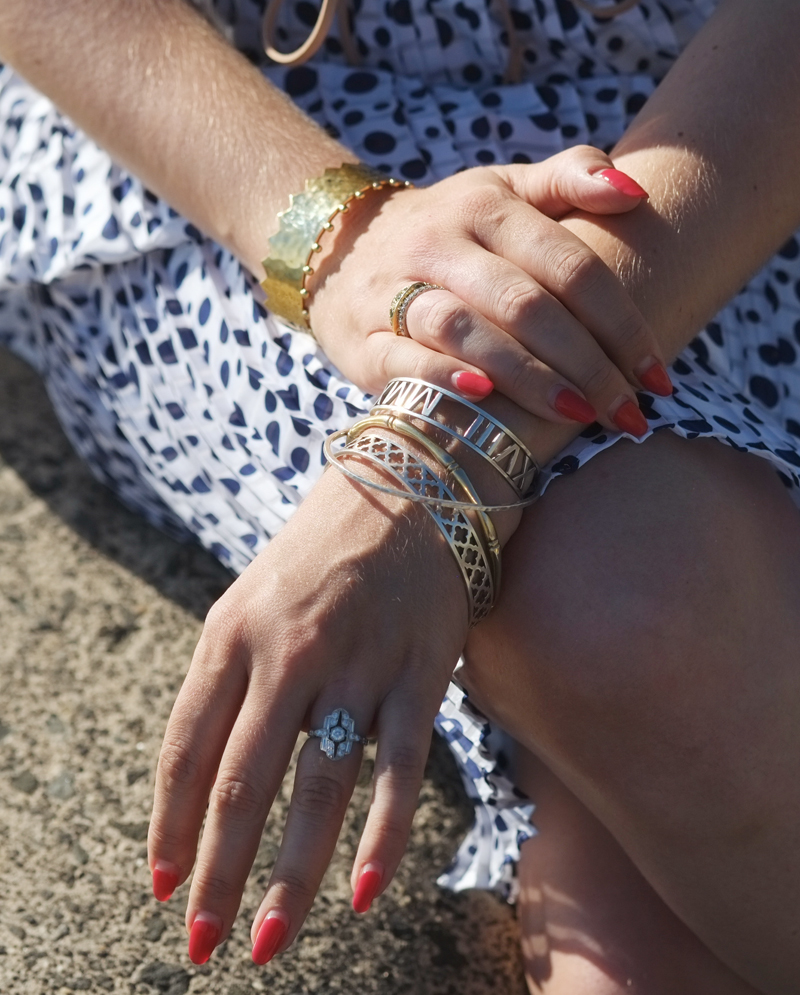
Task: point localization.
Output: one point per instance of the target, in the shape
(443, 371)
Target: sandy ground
(98, 617)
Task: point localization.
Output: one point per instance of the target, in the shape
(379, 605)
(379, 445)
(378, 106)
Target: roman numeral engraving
(420, 398)
(484, 434)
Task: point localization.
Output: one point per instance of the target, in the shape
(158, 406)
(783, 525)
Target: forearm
(716, 147)
(170, 99)
(720, 167)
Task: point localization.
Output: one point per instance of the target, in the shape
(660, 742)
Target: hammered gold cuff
(302, 225)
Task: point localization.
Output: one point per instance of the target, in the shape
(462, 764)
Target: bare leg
(590, 923)
(646, 647)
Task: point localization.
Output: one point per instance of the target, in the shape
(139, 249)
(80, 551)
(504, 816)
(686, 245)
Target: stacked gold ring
(402, 301)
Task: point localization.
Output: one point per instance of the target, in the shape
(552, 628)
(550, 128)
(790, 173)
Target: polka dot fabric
(207, 414)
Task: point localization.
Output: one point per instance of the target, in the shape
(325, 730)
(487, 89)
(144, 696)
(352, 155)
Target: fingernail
(270, 936)
(655, 378)
(472, 383)
(204, 936)
(367, 887)
(628, 418)
(572, 405)
(622, 182)
(165, 879)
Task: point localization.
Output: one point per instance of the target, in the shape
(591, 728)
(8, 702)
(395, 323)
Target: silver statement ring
(401, 303)
(337, 734)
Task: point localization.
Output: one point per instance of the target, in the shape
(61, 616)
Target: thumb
(582, 178)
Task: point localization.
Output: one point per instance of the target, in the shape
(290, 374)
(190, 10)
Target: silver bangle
(450, 466)
(462, 537)
(333, 457)
(486, 436)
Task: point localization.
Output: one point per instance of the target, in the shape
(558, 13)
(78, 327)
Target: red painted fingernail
(572, 405)
(656, 379)
(203, 937)
(472, 383)
(622, 182)
(367, 888)
(628, 418)
(270, 936)
(165, 879)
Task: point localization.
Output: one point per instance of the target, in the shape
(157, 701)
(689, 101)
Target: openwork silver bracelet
(462, 537)
(452, 470)
(486, 436)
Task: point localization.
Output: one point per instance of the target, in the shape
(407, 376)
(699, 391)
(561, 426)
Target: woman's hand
(526, 302)
(357, 604)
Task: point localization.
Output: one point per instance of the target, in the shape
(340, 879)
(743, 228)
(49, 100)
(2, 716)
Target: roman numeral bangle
(486, 436)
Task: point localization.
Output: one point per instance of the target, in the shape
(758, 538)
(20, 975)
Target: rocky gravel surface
(98, 617)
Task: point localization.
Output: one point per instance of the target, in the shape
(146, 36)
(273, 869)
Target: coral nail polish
(473, 384)
(628, 418)
(656, 379)
(572, 405)
(622, 182)
(366, 889)
(165, 880)
(270, 936)
(204, 936)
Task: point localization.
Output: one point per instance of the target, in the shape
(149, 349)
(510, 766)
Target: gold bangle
(416, 477)
(302, 225)
(451, 466)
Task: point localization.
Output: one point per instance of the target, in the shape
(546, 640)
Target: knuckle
(298, 889)
(444, 318)
(632, 334)
(419, 366)
(179, 763)
(580, 153)
(225, 617)
(522, 380)
(319, 795)
(483, 205)
(403, 765)
(218, 890)
(598, 378)
(391, 837)
(237, 798)
(224, 635)
(578, 273)
(162, 841)
(520, 303)
(383, 349)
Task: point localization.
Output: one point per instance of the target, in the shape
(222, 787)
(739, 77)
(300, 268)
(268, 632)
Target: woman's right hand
(526, 303)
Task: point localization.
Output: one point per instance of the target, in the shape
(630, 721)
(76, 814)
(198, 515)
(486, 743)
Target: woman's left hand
(356, 604)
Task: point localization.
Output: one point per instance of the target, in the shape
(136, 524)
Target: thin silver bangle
(333, 458)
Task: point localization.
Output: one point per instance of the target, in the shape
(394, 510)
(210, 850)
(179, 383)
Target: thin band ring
(337, 734)
(401, 303)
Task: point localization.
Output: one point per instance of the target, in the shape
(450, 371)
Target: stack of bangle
(475, 547)
(464, 521)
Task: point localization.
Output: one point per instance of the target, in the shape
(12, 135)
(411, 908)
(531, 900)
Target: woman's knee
(627, 642)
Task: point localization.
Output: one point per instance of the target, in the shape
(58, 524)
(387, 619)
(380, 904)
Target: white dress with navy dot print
(207, 414)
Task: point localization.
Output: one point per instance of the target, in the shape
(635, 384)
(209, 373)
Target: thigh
(645, 646)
